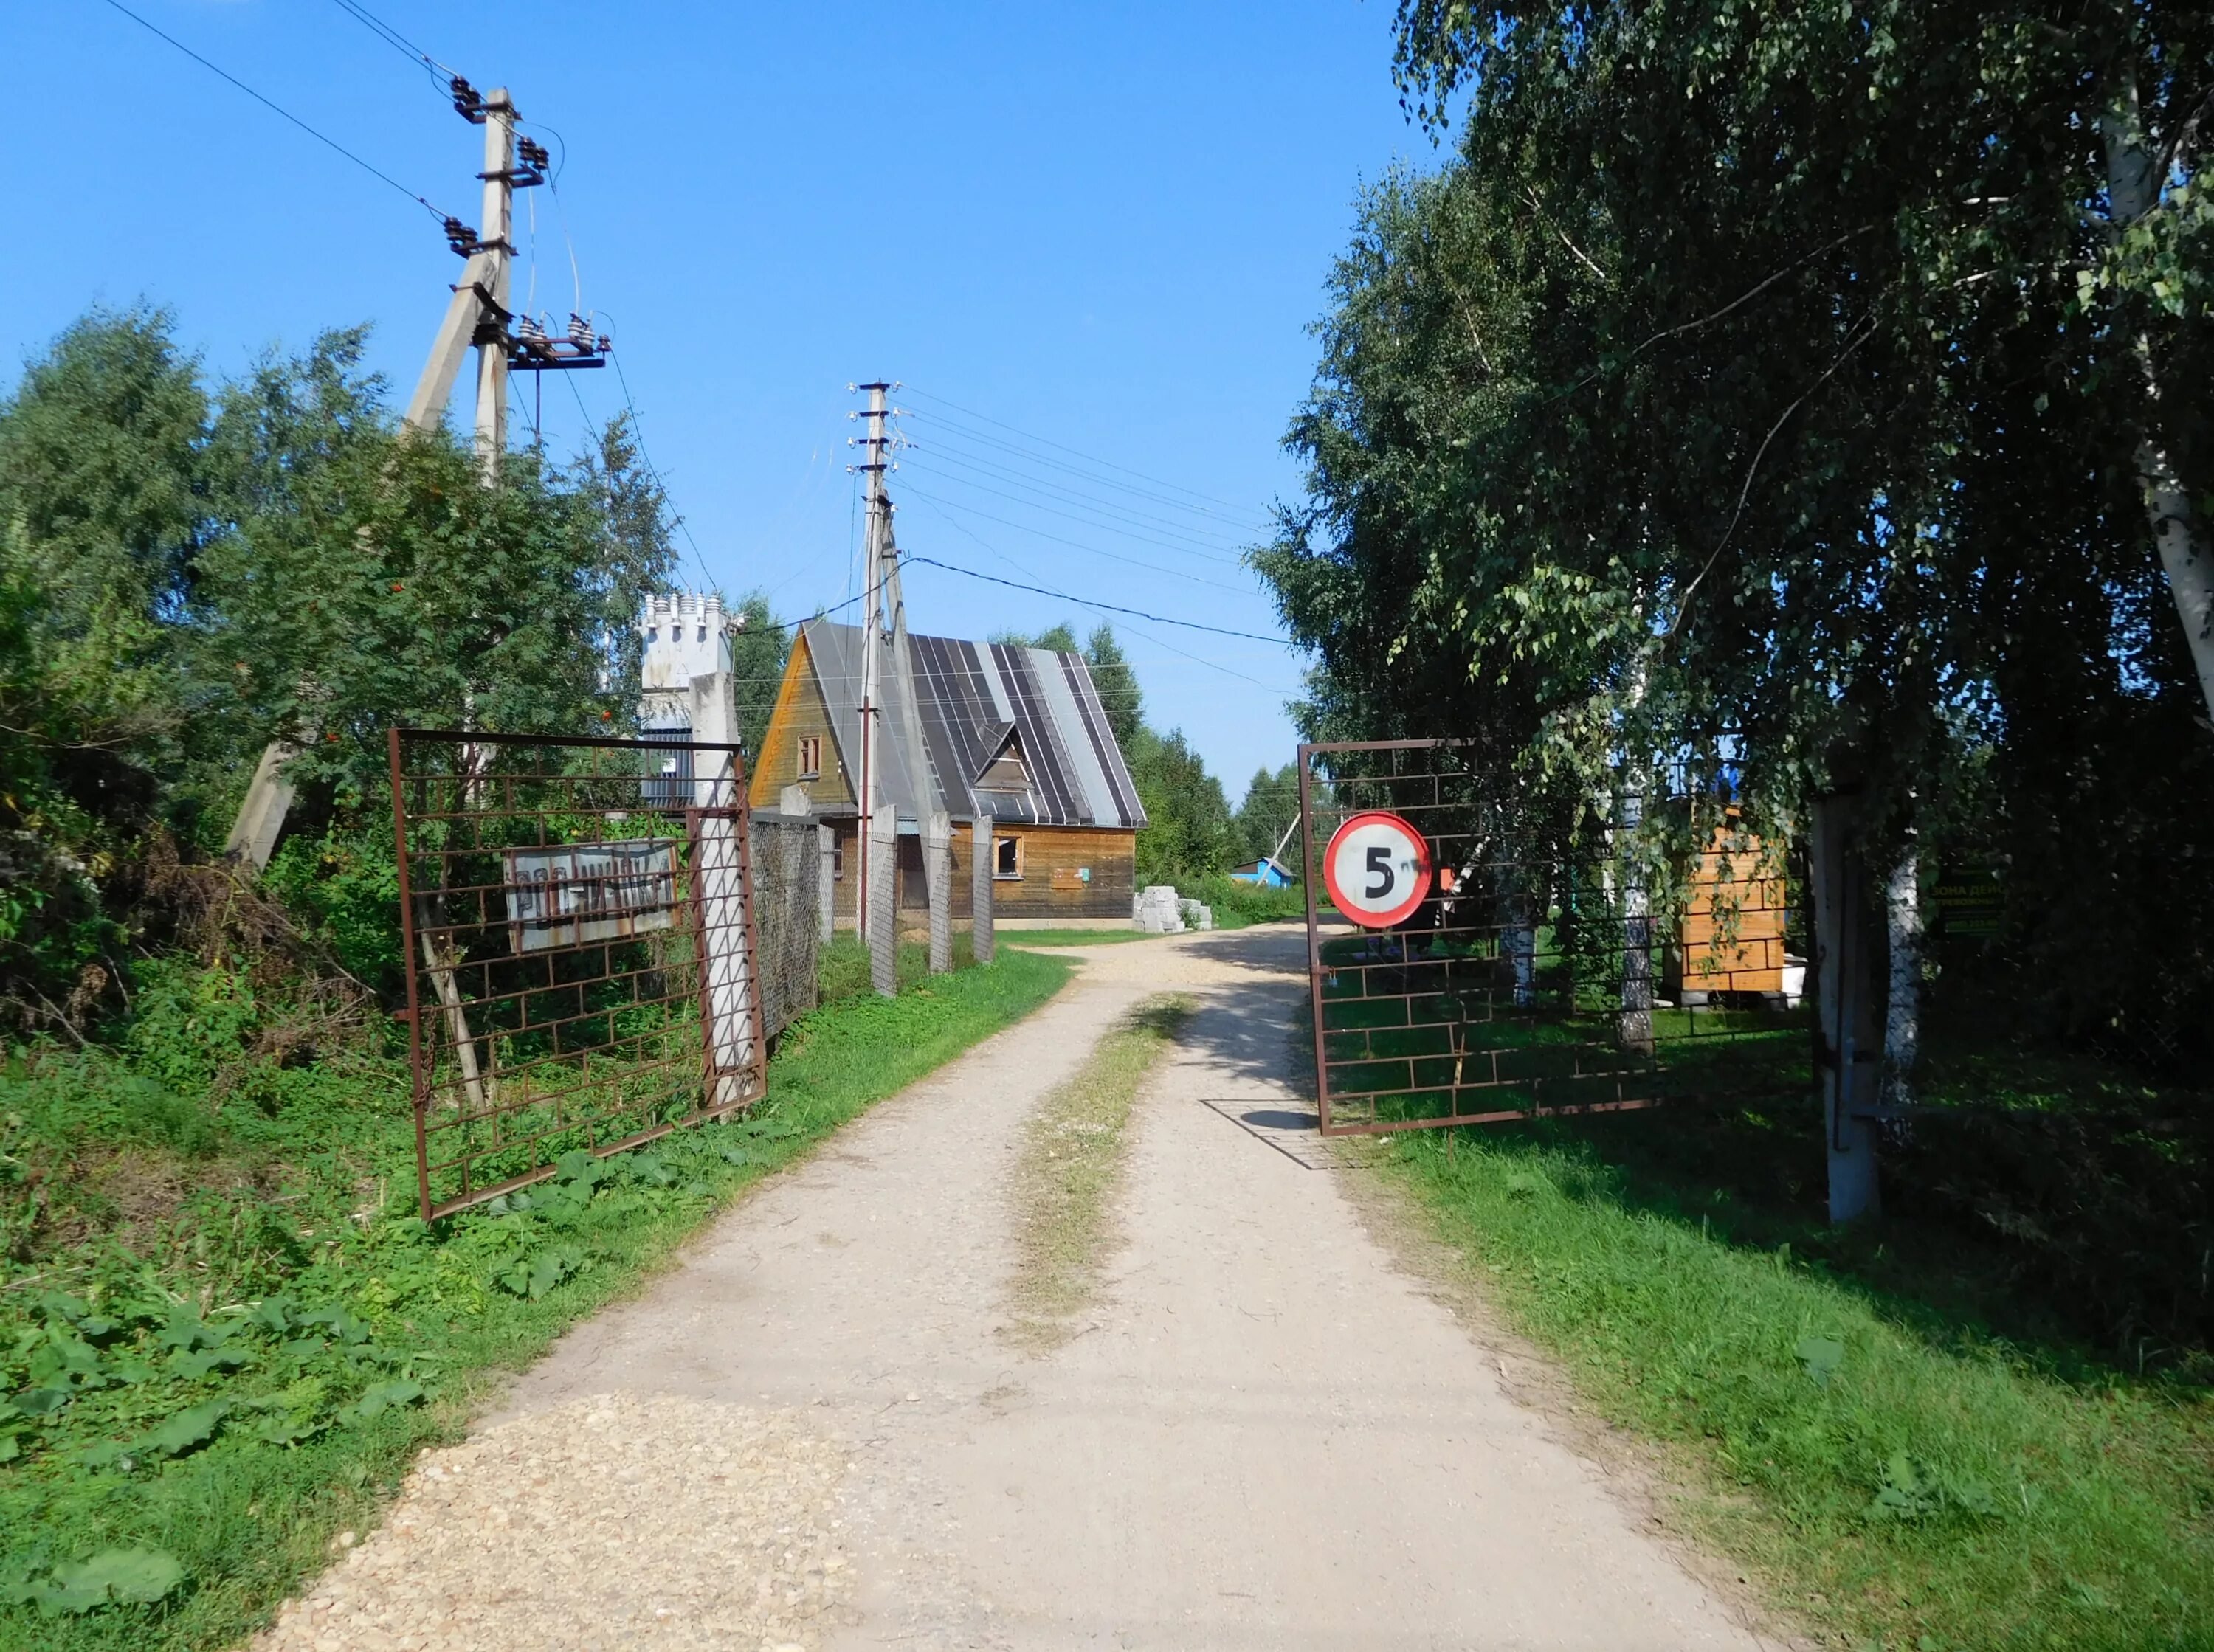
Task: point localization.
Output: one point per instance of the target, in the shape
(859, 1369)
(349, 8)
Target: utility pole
(477, 316)
(498, 243)
(878, 847)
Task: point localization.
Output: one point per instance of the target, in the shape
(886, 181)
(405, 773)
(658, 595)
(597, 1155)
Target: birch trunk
(2185, 553)
(1902, 1025)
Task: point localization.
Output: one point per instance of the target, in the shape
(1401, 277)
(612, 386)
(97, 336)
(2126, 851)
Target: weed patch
(1070, 1165)
(198, 1391)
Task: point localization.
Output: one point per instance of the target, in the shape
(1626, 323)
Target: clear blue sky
(1106, 226)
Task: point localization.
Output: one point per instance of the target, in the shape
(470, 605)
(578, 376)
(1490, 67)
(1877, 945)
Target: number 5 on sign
(1377, 869)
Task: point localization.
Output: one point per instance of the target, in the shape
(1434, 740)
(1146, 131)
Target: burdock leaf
(137, 1575)
(1821, 1356)
(193, 1426)
(384, 1397)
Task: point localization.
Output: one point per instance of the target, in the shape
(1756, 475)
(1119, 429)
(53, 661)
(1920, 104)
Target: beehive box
(1732, 938)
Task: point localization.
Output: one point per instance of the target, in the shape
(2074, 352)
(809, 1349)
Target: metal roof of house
(976, 699)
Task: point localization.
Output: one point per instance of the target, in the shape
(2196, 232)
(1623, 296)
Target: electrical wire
(1174, 487)
(991, 550)
(1086, 602)
(399, 42)
(638, 431)
(1107, 516)
(1118, 509)
(1074, 545)
(331, 142)
(1202, 517)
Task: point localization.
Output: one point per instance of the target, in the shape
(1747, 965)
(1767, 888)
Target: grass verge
(1070, 938)
(1899, 1482)
(248, 1377)
(1069, 1168)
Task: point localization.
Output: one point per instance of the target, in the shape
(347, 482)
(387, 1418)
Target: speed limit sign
(1377, 869)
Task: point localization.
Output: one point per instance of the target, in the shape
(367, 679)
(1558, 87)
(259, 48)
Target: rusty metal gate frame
(1628, 1073)
(515, 797)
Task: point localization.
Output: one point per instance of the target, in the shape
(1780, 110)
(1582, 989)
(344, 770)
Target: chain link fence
(787, 916)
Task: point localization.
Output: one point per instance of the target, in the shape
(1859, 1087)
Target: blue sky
(1103, 228)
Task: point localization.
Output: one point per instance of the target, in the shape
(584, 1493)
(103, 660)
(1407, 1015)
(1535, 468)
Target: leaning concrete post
(1849, 1053)
(980, 899)
(938, 874)
(884, 917)
(826, 873)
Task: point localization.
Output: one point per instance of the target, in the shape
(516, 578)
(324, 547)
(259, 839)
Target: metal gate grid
(1557, 964)
(581, 956)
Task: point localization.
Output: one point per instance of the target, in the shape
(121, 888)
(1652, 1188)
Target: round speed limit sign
(1377, 869)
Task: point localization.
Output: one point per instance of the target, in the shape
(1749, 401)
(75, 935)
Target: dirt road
(1266, 1436)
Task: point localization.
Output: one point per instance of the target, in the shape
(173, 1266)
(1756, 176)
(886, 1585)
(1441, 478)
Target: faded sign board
(573, 894)
(1968, 905)
(1071, 878)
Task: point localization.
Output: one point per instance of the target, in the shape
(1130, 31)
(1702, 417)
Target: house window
(810, 757)
(837, 857)
(1007, 857)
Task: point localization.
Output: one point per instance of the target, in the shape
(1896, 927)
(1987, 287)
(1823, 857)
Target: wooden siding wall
(1111, 854)
(800, 711)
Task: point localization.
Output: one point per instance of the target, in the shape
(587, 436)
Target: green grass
(158, 1188)
(1069, 937)
(1069, 1167)
(1847, 1424)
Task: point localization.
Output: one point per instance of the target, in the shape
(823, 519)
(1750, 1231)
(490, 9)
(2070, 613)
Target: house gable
(802, 714)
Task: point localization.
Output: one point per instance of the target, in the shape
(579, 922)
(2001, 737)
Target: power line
(1176, 487)
(1095, 516)
(970, 534)
(1086, 602)
(1239, 523)
(331, 142)
(393, 38)
(1076, 545)
(1117, 509)
(638, 430)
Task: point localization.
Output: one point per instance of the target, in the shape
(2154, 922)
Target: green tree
(1188, 832)
(185, 576)
(1754, 382)
(1269, 806)
(758, 653)
(1117, 683)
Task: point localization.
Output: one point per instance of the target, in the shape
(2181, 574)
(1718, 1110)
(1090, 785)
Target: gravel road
(814, 1432)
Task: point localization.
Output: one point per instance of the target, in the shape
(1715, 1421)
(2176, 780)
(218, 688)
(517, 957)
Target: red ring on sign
(1405, 909)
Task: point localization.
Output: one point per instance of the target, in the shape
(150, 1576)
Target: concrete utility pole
(937, 827)
(877, 846)
(498, 242)
(476, 316)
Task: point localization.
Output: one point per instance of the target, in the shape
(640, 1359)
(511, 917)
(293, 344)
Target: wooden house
(1017, 734)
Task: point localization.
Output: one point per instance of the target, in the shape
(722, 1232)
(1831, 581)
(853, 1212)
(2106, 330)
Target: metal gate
(577, 918)
(1551, 959)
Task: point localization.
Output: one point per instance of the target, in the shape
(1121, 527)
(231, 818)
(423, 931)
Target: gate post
(1848, 1047)
(938, 876)
(729, 997)
(979, 884)
(882, 922)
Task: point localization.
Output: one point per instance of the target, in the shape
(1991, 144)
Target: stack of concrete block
(1194, 915)
(1153, 909)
